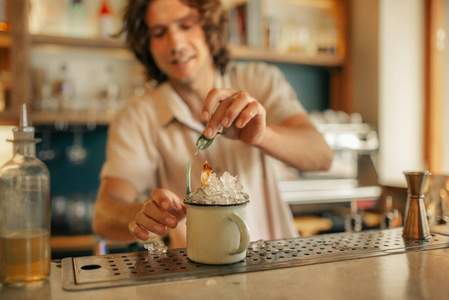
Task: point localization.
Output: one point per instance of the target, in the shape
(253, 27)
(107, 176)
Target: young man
(182, 44)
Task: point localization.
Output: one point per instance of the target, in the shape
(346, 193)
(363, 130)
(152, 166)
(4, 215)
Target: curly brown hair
(213, 19)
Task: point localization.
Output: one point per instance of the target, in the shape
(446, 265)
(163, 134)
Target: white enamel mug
(217, 234)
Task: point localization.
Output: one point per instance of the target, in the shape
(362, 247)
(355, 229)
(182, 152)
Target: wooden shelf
(9, 118)
(73, 118)
(320, 59)
(77, 42)
(237, 52)
(5, 40)
(80, 242)
(6, 83)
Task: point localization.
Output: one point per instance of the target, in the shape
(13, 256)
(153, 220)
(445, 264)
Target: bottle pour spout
(24, 116)
(24, 131)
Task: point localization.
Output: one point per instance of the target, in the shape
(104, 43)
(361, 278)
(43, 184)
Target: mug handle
(244, 234)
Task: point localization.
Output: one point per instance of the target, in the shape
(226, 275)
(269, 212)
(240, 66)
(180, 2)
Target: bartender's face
(177, 41)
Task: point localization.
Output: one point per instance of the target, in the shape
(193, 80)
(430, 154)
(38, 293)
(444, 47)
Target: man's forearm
(112, 217)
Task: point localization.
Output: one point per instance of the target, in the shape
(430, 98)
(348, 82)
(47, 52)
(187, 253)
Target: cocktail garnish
(205, 173)
(201, 144)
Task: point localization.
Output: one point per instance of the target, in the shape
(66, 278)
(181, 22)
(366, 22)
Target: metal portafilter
(416, 225)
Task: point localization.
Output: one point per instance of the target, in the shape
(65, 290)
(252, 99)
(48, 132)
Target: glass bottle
(4, 16)
(354, 220)
(77, 15)
(63, 90)
(24, 212)
(387, 217)
(106, 20)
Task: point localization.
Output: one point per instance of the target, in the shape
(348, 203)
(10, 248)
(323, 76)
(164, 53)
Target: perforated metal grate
(142, 267)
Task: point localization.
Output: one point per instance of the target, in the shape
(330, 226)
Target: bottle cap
(104, 9)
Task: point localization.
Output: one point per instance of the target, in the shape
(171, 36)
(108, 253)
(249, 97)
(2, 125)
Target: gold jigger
(416, 225)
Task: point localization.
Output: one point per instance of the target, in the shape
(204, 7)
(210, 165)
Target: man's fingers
(239, 108)
(179, 210)
(242, 104)
(140, 233)
(162, 198)
(151, 211)
(252, 110)
(161, 211)
(169, 202)
(213, 98)
(215, 122)
(155, 222)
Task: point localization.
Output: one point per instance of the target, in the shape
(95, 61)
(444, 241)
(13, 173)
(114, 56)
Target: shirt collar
(171, 107)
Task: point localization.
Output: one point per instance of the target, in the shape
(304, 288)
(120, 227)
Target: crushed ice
(155, 248)
(258, 245)
(220, 191)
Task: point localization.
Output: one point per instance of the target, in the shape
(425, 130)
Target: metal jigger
(416, 225)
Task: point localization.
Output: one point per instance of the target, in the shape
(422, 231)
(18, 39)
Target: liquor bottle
(77, 16)
(24, 212)
(4, 18)
(387, 217)
(354, 220)
(63, 90)
(106, 20)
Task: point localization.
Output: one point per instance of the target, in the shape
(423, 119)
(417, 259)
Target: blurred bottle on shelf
(327, 37)
(106, 20)
(444, 219)
(38, 85)
(272, 35)
(63, 89)
(301, 35)
(354, 219)
(4, 16)
(77, 16)
(109, 93)
(387, 217)
(48, 17)
(5, 88)
(390, 218)
(2, 97)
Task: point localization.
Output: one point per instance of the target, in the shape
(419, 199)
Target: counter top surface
(410, 275)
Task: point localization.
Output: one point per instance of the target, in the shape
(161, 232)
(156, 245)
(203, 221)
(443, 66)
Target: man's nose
(175, 40)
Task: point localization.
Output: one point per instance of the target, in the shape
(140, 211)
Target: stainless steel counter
(409, 275)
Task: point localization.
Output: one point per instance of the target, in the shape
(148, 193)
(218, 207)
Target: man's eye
(157, 33)
(188, 24)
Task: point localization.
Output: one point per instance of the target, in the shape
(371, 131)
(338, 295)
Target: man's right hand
(163, 209)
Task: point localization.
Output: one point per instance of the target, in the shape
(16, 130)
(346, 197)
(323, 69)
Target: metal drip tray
(112, 270)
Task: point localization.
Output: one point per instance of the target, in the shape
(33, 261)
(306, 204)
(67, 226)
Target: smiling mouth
(182, 60)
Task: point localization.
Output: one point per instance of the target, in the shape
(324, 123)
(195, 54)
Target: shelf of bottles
(41, 39)
(300, 32)
(80, 72)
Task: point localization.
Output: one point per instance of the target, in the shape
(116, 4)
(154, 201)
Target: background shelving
(34, 43)
(319, 60)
